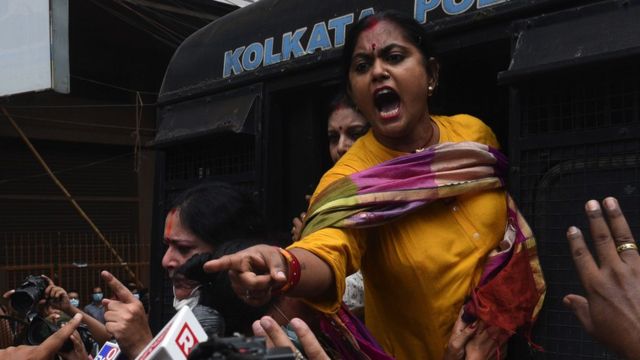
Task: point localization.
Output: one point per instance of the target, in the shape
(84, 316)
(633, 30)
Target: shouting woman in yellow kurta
(418, 205)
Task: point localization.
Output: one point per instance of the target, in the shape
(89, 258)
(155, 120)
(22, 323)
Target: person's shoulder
(465, 123)
(465, 127)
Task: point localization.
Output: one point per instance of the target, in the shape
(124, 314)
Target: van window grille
(216, 156)
(601, 97)
(575, 145)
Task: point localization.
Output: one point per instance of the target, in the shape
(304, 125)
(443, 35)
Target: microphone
(210, 320)
(109, 351)
(177, 339)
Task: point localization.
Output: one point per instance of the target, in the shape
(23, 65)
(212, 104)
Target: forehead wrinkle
(367, 55)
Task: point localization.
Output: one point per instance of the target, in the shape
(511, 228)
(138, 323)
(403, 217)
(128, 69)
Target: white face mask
(191, 301)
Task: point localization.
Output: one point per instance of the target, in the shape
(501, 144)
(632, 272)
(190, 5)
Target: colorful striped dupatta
(511, 289)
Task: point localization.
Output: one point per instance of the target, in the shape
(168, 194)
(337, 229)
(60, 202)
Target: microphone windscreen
(210, 320)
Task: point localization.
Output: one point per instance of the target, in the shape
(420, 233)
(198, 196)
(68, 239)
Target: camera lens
(28, 293)
(22, 301)
(40, 329)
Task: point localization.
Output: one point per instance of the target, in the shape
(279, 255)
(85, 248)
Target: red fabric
(509, 298)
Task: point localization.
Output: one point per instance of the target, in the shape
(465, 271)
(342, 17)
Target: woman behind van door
(344, 127)
(417, 204)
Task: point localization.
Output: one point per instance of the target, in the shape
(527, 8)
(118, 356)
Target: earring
(430, 88)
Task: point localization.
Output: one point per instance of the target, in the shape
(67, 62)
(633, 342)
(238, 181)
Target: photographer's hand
(125, 318)
(7, 296)
(276, 337)
(58, 298)
(48, 349)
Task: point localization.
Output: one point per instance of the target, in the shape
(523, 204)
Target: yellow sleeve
(341, 249)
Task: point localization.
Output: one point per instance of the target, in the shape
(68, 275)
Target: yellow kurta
(418, 269)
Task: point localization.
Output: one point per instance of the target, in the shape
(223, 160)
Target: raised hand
(125, 318)
(610, 310)
(58, 297)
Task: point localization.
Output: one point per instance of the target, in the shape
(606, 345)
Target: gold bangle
(626, 246)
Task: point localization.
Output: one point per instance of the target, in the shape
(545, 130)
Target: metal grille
(575, 144)
(225, 157)
(217, 156)
(555, 185)
(72, 260)
(86, 170)
(603, 97)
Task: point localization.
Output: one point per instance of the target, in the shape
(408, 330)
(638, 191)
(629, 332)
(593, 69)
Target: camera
(239, 348)
(39, 329)
(28, 293)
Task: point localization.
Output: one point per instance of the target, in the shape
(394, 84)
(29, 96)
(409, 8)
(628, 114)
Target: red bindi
(372, 24)
(169, 224)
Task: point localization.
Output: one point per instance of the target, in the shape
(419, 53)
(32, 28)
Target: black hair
(342, 99)
(216, 212)
(412, 31)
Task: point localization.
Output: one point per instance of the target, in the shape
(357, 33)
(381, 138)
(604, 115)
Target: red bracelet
(293, 272)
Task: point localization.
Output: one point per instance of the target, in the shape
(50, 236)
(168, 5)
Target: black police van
(243, 101)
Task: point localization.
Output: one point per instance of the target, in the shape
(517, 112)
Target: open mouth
(387, 101)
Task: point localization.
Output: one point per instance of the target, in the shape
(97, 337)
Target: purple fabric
(344, 327)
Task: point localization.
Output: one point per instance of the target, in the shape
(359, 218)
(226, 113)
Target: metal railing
(72, 260)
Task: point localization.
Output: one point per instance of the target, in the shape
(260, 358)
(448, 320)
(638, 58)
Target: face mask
(191, 301)
(74, 302)
(97, 297)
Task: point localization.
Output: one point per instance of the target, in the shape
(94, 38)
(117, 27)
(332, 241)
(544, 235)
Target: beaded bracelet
(293, 272)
